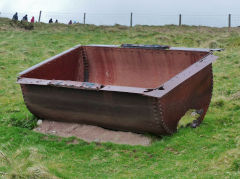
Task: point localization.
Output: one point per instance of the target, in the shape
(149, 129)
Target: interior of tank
(133, 67)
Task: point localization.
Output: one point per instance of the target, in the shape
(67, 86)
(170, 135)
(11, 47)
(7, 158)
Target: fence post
(131, 19)
(84, 18)
(39, 18)
(180, 19)
(229, 20)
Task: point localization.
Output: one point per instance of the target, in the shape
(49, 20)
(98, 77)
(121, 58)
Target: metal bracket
(163, 47)
(217, 50)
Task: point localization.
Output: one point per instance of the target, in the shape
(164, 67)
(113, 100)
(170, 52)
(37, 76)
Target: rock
(194, 114)
(39, 122)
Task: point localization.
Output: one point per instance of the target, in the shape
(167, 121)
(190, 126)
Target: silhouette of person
(70, 22)
(25, 18)
(56, 21)
(32, 20)
(50, 21)
(15, 17)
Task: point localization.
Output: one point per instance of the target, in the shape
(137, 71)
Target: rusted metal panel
(182, 76)
(114, 110)
(140, 89)
(137, 67)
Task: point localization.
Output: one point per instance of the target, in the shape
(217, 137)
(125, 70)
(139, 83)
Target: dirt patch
(236, 96)
(90, 133)
(73, 142)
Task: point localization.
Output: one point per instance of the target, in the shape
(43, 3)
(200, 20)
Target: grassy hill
(210, 151)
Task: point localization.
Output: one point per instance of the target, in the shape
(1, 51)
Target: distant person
(15, 17)
(70, 22)
(74, 22)
(25, 18)
(32, 20)
(50, 21)
(56, 21)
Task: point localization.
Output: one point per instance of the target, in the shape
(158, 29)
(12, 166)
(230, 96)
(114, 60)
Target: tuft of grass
(219, 103)
(24, 163)
(22, 24)
(188, 118)
(20, 120)
(236, 165)
(227, 162)
(213, 45)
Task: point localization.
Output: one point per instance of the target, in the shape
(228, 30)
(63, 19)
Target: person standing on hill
(15, 17)
(70, 22)
(50, 21)
(32, 20)
(25, 18)
(56, 21)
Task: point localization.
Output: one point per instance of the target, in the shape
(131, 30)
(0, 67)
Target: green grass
(210, 151)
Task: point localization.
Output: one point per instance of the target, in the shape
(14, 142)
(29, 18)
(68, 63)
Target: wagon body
(145, 89)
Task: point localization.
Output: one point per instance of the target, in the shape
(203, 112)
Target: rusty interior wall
(63, 67)
(143, 68)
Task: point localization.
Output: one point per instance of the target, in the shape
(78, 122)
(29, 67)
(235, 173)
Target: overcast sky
(64, 10)
(124, 6)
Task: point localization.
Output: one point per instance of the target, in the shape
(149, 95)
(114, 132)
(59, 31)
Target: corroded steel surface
(146, 68)
(141, 89)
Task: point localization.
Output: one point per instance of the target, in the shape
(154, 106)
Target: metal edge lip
(196, 49)
(80, 85)
(171, 48)
(48, 60)
(60, 83)
(102, 45)
(127, 89)
(190, 49)
(182, 76)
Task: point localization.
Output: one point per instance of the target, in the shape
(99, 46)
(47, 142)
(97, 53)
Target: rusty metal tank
(139, 88)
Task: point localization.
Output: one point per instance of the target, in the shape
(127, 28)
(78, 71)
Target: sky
(96, 8)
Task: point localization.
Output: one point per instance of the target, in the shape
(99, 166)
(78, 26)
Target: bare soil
(90, 133)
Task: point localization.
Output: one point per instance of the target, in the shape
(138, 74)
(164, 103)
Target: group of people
(69, 23)
(24, 19)
(74, 22)
(51, 21)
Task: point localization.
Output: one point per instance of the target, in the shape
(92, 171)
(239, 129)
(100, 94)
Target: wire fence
(156, 19)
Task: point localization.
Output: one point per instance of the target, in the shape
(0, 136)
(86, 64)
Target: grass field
(210, 151)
